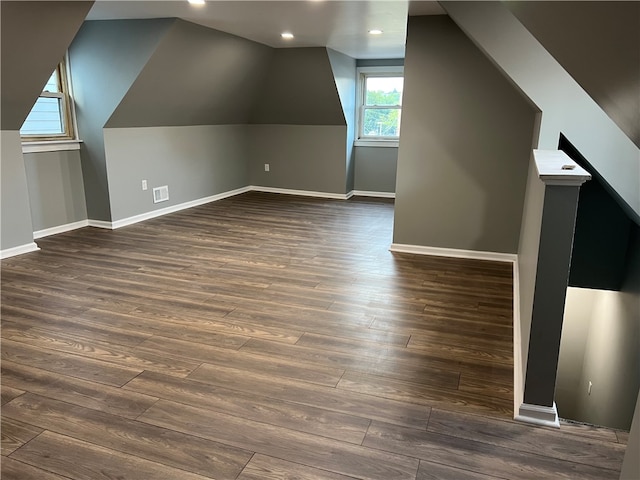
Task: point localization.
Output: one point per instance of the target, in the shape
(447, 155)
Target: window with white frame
(51, 116)
(380, 105)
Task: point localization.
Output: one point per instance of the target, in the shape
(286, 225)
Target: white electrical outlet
(266, 167)
(144, 184)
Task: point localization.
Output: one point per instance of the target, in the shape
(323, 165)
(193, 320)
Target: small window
(50, 118)
(380, 100)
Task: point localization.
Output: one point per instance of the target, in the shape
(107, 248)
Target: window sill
(376, 143)
(50, 146)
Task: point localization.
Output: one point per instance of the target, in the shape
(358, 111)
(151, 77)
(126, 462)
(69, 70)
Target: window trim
(63, 141)
(50, 146)
(362, 73)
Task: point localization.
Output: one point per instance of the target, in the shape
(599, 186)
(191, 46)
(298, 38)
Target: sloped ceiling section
(344, 73)
(35, 36)
(196, 76)
(299, 89)
(106, 58)
(598, 43)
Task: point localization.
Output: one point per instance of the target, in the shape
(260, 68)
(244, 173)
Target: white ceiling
(340, 25)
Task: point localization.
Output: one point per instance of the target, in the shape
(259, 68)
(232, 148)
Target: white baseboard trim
(182, 206)
(538, 415)
(366, 193)
(303, 193)
(453, 252)
(60, 229)
(175, 208)
(518, 381)
(100, 224)
(19, 250)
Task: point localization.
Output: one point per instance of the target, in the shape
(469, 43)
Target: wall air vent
(161, 194)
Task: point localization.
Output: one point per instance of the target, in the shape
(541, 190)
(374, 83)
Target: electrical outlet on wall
(266, 167)
(144, 184)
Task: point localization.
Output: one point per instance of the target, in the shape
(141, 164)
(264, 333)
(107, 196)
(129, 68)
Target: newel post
(562, 179)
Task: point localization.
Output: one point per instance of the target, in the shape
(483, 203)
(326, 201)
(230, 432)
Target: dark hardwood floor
(267, 337)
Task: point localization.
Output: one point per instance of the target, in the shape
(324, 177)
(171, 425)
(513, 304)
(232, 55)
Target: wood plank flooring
(268, 337)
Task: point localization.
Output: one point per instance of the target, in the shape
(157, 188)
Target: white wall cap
(556, 168)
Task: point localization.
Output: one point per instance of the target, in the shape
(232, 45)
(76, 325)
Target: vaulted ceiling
(341, 25)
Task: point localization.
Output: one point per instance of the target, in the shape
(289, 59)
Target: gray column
(562, 179)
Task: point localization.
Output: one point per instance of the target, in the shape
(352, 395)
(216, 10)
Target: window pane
(45, 118)
(384, 90)
(381, 122)
(52, 84)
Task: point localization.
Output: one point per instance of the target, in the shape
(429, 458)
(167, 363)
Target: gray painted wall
(578, 313)
(56, 191)
(631, 464)
(375, 169)
(464, 145)
(194, 161)
(299, 89)
(582, 37)
(106, 57)
(566, 107)
(299, 127)
(196, 76)
(344, 72)
(301, 157)
(611, 362)
(600, 339)
(17, 229)
(40, 32)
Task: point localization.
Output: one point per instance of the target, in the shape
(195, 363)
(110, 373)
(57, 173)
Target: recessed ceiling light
(196, 2)
(375, 31)
(287, 35)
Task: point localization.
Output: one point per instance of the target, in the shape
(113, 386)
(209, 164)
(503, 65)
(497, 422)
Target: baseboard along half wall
(453, 252)
(367, 193)
(19, 250)
(100, 224)
(518, 381)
